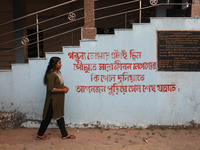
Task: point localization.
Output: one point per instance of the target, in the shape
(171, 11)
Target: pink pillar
(89, 30)
(195, 8)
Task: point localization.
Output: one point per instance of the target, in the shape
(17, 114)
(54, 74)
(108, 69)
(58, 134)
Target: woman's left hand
(66, 88)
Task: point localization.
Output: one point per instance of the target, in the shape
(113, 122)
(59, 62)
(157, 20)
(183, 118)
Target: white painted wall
(22, 89)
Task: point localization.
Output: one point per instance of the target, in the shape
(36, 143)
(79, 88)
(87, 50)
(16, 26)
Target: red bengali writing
(91, 89)
(149, 88)
(103, 78)
(119, 55)
(84, 67)
(117, 65)
(116, 89)
(98, 55)
(77, 55)
(125, 76)
(89, 55)
(144, 66)
(116, 54)
(130, 77)
(135, 55)
(166, 88)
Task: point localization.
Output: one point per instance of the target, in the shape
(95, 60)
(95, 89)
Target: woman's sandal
(69, 137)
(43, 137)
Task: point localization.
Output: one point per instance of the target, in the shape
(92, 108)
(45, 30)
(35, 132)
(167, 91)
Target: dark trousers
(46, 121)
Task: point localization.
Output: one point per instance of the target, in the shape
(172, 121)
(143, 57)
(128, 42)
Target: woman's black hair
(51, 67)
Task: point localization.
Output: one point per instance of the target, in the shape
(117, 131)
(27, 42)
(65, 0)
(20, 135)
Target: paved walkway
(99, 139)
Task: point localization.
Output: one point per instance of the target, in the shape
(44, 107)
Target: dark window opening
(32, 48)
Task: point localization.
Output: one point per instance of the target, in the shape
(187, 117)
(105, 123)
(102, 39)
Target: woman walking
(54, 103)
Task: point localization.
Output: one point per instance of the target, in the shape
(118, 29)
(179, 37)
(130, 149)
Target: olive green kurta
(57, 98)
